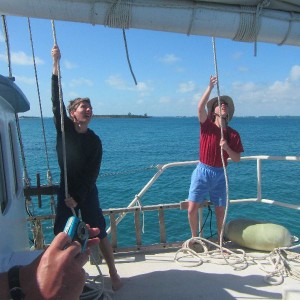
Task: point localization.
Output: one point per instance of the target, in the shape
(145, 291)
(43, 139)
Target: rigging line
(221, 128)
(127, 55)
(40, 104)
(26, 178)
(7, 45)
(62, 121)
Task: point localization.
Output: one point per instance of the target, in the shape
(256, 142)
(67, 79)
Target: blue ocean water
(132, 147)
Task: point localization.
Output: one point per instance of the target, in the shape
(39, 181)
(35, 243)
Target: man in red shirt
(208, 178)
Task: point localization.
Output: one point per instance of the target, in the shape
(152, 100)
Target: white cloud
(237, 55)
(69, 65)
(118, 83)
(295, 73)
(164, 100)
(73, 95)
(196, 98)
(142, 87)
(244, 87)
(140, 102)
(280, 97)
(80, 82)
(26, 80)
(186, 87)
(169, 59)
(20, 58)
(243, 69)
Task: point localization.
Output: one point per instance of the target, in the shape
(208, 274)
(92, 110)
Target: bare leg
(220, 212)
(193, 218)
(107, 252)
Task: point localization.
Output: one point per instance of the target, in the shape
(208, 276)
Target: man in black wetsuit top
(83, 160)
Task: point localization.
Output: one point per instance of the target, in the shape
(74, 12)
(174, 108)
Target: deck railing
(116, 215)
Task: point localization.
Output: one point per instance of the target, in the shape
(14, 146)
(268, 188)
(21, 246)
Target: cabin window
(13, 139)
(3, 194)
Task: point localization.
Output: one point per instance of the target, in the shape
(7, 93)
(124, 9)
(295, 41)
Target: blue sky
(172, 70)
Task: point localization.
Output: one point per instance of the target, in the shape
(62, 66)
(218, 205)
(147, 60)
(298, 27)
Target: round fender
(257, 235)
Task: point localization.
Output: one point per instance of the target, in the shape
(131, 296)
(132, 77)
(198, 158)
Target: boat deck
(158, 276)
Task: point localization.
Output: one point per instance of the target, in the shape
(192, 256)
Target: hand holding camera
(78, 231)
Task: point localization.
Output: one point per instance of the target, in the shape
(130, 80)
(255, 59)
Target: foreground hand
(213, 81)
(70, 202)
(58, 273)
(55, 52)
(224, 145)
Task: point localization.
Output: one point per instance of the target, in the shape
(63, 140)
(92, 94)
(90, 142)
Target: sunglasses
(222, 102)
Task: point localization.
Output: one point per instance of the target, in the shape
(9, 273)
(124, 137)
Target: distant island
(129, 115)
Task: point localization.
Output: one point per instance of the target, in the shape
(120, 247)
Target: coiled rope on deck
(94, 285)
(278, 264)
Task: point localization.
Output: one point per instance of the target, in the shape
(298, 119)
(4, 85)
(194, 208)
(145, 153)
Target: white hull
(244, 21)
(13, 218)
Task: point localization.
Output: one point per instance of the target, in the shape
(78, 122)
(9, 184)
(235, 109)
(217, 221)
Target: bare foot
(116, 282)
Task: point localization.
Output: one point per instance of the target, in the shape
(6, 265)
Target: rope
(4, 24)
(26, 178)
(62, 121)
(277, 264)
(289, 29)
(191, 21)
(246, 30)
(119, 15)
(222, 135)
(203, 250)
(259, 8)
(249, 23)
(127, 56)
(94, 286)
(49, 176)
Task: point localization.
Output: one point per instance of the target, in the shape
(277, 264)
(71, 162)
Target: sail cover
(270, 21)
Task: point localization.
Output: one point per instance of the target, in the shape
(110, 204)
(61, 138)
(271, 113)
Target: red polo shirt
(210, 150)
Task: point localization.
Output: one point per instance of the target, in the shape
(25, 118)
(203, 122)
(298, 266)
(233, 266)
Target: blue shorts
(208, 181)
(90, 210)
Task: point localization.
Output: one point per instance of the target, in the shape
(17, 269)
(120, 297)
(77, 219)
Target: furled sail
(276, 21)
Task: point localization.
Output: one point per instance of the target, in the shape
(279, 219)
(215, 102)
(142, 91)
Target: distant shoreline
(129, 116)
(145, 117)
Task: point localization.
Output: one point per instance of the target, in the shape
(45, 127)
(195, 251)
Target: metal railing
(116, 215)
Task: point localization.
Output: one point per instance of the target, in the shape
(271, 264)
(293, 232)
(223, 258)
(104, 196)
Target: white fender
(257, 235)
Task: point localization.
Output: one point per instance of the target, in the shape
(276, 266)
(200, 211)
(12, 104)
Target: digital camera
(78, 231)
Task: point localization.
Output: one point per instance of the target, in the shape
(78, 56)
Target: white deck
(158, 276)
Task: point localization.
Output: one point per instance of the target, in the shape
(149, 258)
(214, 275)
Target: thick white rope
(222, 136)
(278, 264)
(62, 121)
(95, 284)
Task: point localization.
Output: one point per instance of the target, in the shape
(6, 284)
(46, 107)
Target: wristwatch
(15, 290)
